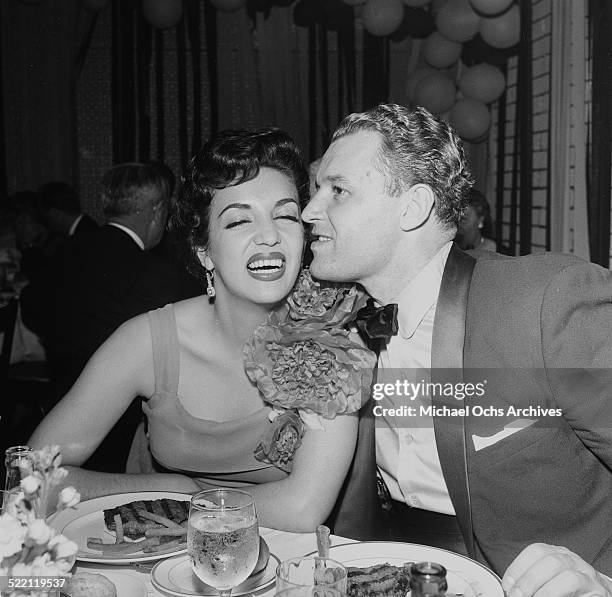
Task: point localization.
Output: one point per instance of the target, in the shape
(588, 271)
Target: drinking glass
(223, 537)
(12, 483)
(309, 572)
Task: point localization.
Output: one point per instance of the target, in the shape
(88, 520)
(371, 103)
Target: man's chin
(322, 271)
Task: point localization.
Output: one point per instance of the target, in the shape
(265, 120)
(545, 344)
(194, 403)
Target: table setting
(152, 544)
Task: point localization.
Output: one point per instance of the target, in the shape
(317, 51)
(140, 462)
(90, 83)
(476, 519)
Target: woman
(476, 225)
(240, 213)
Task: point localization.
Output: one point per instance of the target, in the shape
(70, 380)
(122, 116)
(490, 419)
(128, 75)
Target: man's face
(355, 223)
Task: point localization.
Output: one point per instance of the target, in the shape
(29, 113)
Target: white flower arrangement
(28, 545)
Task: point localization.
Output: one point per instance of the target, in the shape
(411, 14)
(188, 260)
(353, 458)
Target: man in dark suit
(516, 468)
(105, 278)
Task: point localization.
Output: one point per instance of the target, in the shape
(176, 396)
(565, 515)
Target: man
(391, 189)
(103, 280)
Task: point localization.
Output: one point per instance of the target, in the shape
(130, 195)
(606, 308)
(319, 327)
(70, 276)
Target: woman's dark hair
(482, 208)
(230, 158)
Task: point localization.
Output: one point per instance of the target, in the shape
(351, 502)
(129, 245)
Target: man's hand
(542, 570)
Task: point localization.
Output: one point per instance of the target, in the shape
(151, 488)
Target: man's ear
(417, 204)
(205, 260)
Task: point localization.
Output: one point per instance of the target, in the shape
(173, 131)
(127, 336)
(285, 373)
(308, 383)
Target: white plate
(465, 576)
(175, 577)
(87, 520)
(126, 584)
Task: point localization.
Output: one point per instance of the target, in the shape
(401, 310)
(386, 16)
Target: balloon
(483, 82)
(490, 8)
(439, 51)
(354, 2)
(415, 77)
(95, 5)
(503, 31)
(470, 118)
(436, 92)
(163, 13)
(476, 51)
(228, 5)
(415, 3)
(382, 17)
(457, 21)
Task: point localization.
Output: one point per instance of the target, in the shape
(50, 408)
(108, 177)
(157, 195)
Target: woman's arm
(120, 370)
(304, 499)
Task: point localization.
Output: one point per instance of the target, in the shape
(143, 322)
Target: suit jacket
(102, 280)
(539, 330)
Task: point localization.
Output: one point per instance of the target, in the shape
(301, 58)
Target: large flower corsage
(304, 362)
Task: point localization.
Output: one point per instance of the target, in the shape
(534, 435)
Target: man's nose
(313, 210)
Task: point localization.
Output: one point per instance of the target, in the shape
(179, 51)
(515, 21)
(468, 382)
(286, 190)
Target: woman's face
(256, 238)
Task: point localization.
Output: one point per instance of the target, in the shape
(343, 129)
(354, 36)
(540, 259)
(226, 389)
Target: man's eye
(338, 190)
(236, 223)
(290, 217)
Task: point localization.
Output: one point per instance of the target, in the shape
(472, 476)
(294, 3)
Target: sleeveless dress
(215, 452)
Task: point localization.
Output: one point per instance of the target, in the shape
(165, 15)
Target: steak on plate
(134, 526)
(381, 580)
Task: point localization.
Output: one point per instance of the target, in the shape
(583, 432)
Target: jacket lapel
(447, 367)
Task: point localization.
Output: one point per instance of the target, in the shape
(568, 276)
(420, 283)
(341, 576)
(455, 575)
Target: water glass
(309, 572)
(223, 537)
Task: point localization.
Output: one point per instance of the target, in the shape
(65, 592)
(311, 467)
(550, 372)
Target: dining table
(282, 544)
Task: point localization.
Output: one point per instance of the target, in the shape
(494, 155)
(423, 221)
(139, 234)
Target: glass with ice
(223, 537)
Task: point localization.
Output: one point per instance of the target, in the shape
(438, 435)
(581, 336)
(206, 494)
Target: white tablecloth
(282, 544)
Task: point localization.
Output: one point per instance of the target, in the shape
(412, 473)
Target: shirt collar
(74, 224)
(421, 293)
(130, 233)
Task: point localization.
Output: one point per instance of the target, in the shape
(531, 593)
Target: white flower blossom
(64, 551)
(31, 484)
(12, 535)
(38, 533)
(68, 497)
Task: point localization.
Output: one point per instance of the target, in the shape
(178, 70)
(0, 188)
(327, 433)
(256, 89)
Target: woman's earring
(210, 284)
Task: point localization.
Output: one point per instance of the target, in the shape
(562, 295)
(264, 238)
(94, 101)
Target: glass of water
(223, 537)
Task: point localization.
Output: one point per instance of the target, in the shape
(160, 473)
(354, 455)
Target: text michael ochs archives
(420, 395)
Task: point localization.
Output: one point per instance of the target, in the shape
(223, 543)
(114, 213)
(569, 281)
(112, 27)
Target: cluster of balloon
(483, 34)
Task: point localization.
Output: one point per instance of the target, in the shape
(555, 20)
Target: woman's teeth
(266, 264)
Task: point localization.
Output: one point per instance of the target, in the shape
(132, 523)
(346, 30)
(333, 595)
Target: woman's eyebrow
(234, 206)
(286, 200)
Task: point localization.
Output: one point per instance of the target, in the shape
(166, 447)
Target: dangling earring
(210, 284)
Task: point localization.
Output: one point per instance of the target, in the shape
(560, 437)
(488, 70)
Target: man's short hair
(416, 147)
(129, 187)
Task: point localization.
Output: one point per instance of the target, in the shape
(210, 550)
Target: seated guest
(239, 211)
(100, 280)
(476, 226)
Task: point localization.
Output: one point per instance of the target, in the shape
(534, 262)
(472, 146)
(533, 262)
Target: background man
(102, 280)
(391, 189)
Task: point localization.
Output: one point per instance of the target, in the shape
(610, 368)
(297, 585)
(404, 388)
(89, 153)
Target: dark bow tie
(378, 322)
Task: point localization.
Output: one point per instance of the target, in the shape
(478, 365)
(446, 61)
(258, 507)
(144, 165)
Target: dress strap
(165, 349)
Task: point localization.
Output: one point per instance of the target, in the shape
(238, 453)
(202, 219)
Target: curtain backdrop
(39, 48)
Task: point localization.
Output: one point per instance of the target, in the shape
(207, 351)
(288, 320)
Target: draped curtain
(39, 49)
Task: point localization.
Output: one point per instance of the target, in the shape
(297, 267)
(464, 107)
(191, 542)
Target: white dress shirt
(130, 233)
(406, 452)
